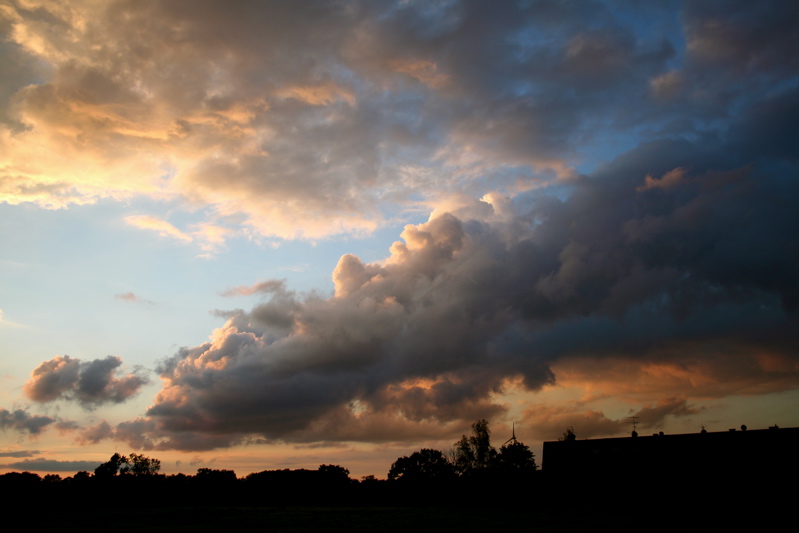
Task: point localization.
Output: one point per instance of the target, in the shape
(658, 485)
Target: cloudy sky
(259, 235)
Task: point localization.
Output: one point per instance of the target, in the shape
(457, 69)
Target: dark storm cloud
(90, 383)
(673, 244)
(20, 420)
(742, 37)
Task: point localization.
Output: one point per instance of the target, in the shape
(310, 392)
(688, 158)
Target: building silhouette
(735, 454)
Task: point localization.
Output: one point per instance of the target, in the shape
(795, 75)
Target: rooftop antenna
(513, 436)
(635, 425)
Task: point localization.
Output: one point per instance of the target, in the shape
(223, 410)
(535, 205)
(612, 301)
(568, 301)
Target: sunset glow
(261, 235)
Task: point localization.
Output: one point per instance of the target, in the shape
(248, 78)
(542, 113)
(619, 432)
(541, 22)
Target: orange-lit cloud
(550, 422)
(424, 71)
(668, 181)
(317, 95)
(690, 370)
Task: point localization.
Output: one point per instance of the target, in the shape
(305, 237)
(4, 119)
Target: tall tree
(474, 452)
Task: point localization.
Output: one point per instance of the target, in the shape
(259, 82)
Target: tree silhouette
(134, 464)
(334, 473)
(424, 465)
(475, 452)
(513, 457)
(568, 435)
(80, 477)
(210, 475)
(141, 465)
(112, 467)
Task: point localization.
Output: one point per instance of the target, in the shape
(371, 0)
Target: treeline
(472, 468)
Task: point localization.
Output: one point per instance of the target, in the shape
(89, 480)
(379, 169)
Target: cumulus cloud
(95, 434)
(90, 383)
(20, 420)
(690, 284)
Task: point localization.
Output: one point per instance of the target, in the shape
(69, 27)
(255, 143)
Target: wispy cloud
(272, 286)
(132, 298)
(208, 237)
(164, 228)
(9, 323)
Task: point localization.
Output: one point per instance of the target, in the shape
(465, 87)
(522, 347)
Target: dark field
(317, 519)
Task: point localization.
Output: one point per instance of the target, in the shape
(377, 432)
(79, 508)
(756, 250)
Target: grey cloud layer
(315, 118)
(90, 383)
(19, 454)
(52, 465)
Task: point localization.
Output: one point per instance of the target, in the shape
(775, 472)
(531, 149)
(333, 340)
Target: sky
(265, 235)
